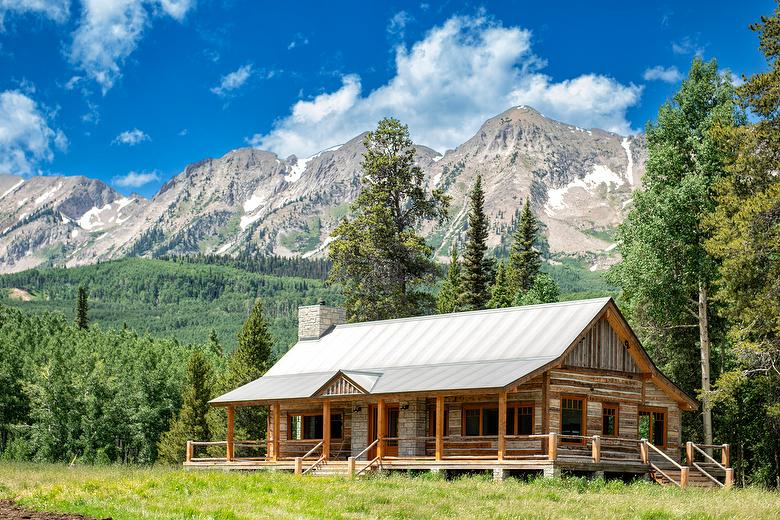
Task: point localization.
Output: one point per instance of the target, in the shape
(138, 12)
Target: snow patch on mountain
(600, 175)
(12, 188)
(46, 196)
(96, 217)
(626, 144)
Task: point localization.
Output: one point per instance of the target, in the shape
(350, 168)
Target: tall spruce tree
(666, 274)
(214, 345)
(501, 292)
(475, 274)
(251, 359)
(191, 423)
(447, 300)
(524, 259)
(82, 309)
(380, 260)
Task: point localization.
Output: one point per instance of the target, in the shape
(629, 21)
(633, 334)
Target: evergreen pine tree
(475, 275)
(380, 261)
(447, 301)
(251, 359)
(524, 258)
(82, 308)
(214, 344)
(500, 293)
(191, 423)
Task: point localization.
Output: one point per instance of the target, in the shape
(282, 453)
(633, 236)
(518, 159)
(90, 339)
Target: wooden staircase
(671, 476)
(331, 468)
(706, 473)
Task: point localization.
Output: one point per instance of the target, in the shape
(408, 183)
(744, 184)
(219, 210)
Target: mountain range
(580, 182)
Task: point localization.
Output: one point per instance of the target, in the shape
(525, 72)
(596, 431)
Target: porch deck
(593, 455)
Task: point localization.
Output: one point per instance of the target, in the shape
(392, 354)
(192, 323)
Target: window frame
(290, 416)
(653, 410)
(515, 405)
(584, 419)
(611, 406)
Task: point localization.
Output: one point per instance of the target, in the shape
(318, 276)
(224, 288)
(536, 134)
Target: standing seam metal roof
(466, 350)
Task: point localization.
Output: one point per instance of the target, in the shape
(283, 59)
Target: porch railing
(191, 454)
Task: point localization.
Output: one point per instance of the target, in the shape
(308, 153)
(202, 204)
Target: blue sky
(131, 91)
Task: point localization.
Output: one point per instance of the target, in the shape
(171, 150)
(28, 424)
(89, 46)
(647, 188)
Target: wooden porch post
(229, 444)
(269, 447)
(689, 453)
(725, 455)
(439, 426)
(276, 414)
(326, 429)
(501, 425)
(189, 451)
(380, 428)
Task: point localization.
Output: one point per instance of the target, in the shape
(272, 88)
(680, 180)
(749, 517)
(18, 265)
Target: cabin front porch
(522, 432)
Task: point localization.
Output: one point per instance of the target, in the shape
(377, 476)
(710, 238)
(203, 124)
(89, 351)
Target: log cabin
(541, 388)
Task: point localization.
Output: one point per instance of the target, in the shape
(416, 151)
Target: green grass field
(131, 493)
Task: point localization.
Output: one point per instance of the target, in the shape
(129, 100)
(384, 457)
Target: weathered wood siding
(602, 348)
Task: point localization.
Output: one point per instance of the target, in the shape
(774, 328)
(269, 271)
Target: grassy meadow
(125, 493)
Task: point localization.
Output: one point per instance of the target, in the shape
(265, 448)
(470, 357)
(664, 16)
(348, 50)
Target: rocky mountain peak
(579, 180)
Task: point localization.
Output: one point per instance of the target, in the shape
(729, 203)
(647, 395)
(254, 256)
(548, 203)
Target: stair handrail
(670, 479)
(664, 455)
(712, 461)
(376, 441)
(703, 472)
(707, 456)
(319, 444)
(313, 466)
(683, 469)
(371, 463)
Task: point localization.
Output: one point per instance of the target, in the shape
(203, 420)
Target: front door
(391, 429)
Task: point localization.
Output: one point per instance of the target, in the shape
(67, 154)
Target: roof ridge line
(470, 313)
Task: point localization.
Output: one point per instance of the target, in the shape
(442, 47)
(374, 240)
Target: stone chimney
(314, 321)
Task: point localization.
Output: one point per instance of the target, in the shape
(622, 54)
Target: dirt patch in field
(20, 294)
(10, 511)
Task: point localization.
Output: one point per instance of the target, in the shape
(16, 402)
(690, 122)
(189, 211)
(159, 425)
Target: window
(609, 420)
(490, 421)
(432, 422)
(471, 421)
(480, 420)
(306, 427)
(520, 419)
(483, 419)
(572, 419)
(652, 425)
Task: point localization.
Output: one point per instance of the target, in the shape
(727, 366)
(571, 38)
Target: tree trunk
(704, 340)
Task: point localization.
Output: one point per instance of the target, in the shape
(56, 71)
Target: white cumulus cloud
(659, 73)
(136, 179)
(445, 86)
(56, 10)
(109, 31)
(26, 139)
(131, 137)
(233, 81)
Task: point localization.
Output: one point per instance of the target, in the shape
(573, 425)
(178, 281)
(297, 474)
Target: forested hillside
(182, 298)
(101, 395)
